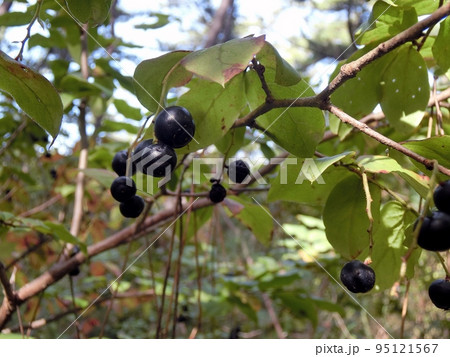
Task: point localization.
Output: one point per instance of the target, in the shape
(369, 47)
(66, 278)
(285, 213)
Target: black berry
(142, 145)
(441, 197)
(174, 126)
(357, 277)
(133, 207)
(155, 159)
(119, 163)
(217, 193)
(439, 292)
(238, 171)
(434, 233)
(123, 188)
(75, 271)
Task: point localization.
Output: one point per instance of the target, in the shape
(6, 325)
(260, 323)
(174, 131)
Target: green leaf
(389, 243)
(213, 108)
(151, 75)
(386, 165)
(441, 47)
(299, 306)
(345, 216)
(60, 232)
(257, 219)
(297, 130)
(435, 148)
(78, 86)
(9, 19)
(93, 12)
(127, 110)
(33, 93)
(114, 126)
(285, 74)
(422, 7)
(328, 306)
(105, 177)
(220, 63)
(286, 187)
(12, 336)
(231, 142)
(161, 21)
(405, 89)
(360, 95)
(385, 22)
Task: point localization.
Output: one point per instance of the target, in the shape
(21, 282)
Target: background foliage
(266, 262)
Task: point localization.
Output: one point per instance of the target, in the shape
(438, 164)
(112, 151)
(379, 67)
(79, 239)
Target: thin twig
(273, 316)
(344, 117)
(19, 56)
(404, 309)
(369, 201)
(13, 136)
(42, 206)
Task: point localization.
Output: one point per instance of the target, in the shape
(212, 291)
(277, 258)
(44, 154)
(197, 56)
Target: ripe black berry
(155, 159)
(357, 277)
(217, 193)
(441, 197)
(119, 163)
(133, 207)
(174, 126)
(238, 171)
(75, 271)
(142, 145)
(123, 188)
(439, 292)
(434, 234)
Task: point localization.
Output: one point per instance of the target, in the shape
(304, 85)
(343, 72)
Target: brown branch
(10, 301)
(19, 56)
(60, 269)
(42, 206)
(13, 136)
(83, 159)
(42, 240)
(219, 21)
(10, 295)
(273, 316)
(350, 70)
(5, 6)
(344, 117)
(38, 323)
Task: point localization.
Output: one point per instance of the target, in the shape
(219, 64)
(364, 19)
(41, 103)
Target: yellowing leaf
(222, 62)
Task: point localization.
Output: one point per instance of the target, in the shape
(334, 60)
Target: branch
(10, 301)
(7, 285)
(19, 56)
(4, 7)
(218, 22)
(82, 161)
(350, 70)
(38, 323)
(384, 140)
(13, 136)
(60, 269)
(42, 206)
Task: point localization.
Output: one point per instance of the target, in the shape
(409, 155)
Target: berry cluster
(174, 128)
(434, 235)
